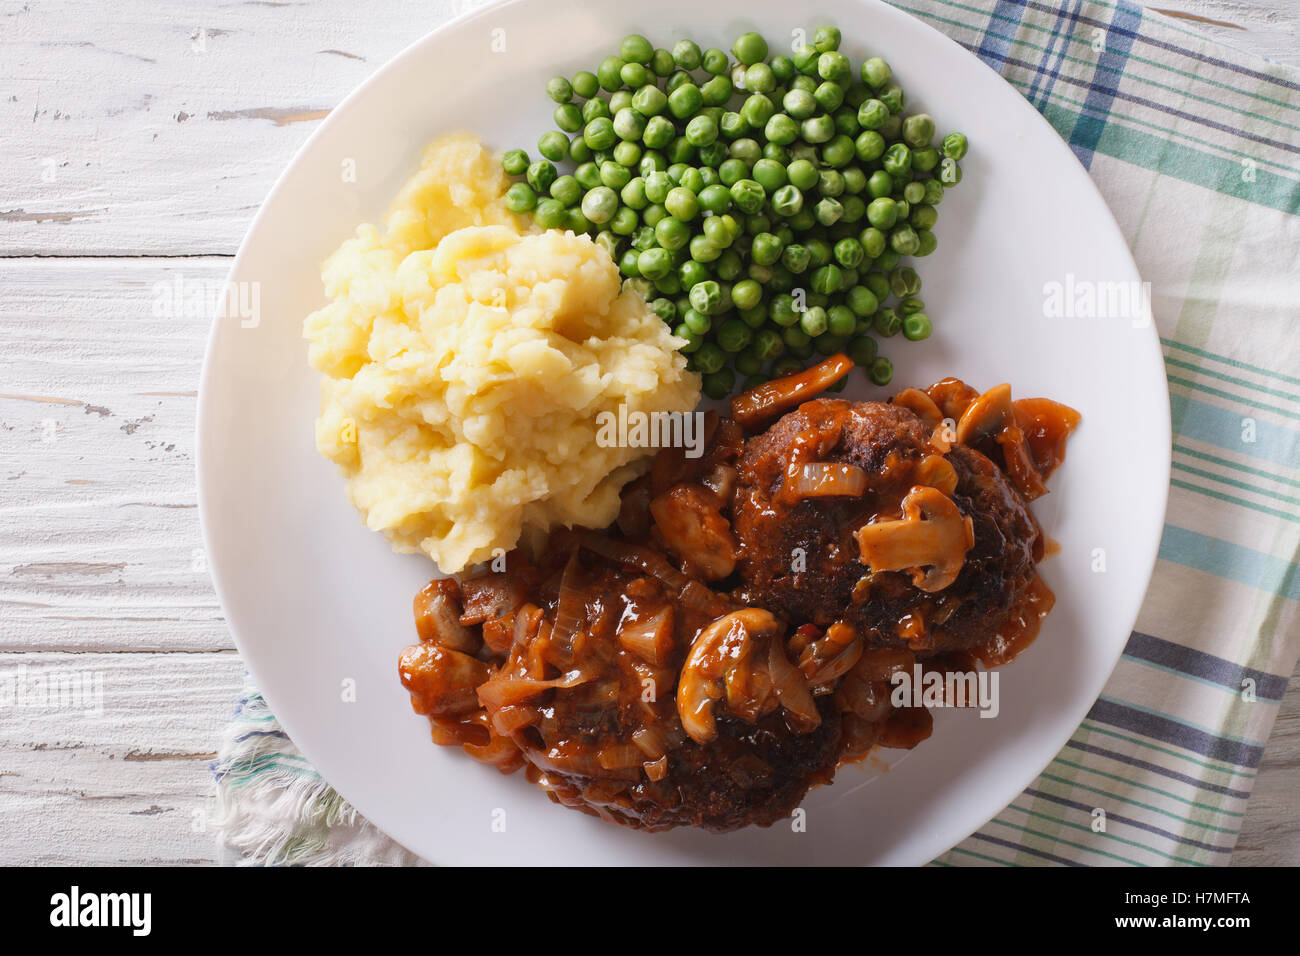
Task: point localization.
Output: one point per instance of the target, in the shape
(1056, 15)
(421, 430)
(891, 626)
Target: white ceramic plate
(317, 603)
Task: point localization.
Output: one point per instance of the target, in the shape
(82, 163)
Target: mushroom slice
(731, 661)
(935, 471)
(922, 404)
(930, 541)
(992, 416)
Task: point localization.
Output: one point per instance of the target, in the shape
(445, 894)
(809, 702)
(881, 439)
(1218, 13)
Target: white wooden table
(138, 141)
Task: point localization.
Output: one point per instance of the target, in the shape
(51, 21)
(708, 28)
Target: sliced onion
(790, 688)
(656, 770)
(645, 559)
(823, 479)
(505, 691)
(650, 742)
(570, 610)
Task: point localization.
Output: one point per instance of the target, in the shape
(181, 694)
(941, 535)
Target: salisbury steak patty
(799, 555)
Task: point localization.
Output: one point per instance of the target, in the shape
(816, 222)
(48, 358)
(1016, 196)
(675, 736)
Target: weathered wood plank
(100, 546)
(114, 768)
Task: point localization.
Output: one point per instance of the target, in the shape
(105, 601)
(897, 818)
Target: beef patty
(800, 557)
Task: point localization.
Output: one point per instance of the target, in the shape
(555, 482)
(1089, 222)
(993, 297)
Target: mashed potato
(466, 360)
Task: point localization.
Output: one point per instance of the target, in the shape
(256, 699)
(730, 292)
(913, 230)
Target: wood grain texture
(138, 141)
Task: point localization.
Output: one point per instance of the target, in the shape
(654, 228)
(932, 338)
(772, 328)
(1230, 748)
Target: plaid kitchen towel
(1195, 148)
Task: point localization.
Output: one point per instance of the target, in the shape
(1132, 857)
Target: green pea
(757, 110)
(872, 114)
(701, 131)
(802, 174)
(882, 212)
(614, 175)
(854, 209)
(759, 78)
(657, 186)
(834, 66)
(799, 104)
(787, 200)
(654, 263)
(718, 384)
(949, 172)
(827, 280)
(658, 133)
(697, 321)
(706, 297)
(841, 321)
(769, 175)
(600, 204)
(777, 152)
(636, 49)
(717, 91)
(576, 221)
(766, 249)
(715, 61)
(704, 249)
(954, 146)
(715, 199)
(650, 101)
(712, 156)
(629, 124)
(881, 371)
(839, 151)
(662, 63)
(717, 232)
(818, 129)
(828, 211)
(923, 217)
(849, 253)
(559, 89)
(914, 193)
(814, 322)
(566, 190)
(514, 162)
(682, 203)
(733, 125)
(693, 340)
(624, 222)
(609, 73)
(599, 133)
(687, 55)
(554, 146)
(910, 305)
(897, 160)
(880, 184)
(732, 171)
(904, 241)
(887, 259)
(587, 175)
(861, 300)
(875, 72)
(796, 258)
(549, 214)
(691, 178)
(664, 308)
(918, 130)
(926, 242)
(685, 101)
(733, 335)
(680, 151)
(750, 48)
(746, 294)
(520, 198)
(917, 326)
(781, 130)
(829, 95)
(579, 151)
(886, 322)
(585, 84)
(870, 145)
(541, 174)
(925, 159)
